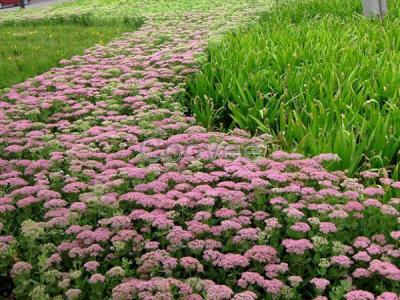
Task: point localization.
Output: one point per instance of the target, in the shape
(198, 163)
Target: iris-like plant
(318, 75)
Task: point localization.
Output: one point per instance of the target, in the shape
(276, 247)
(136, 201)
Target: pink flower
(385, 269)
(273, 286)
(225, 213)
(190, 263)
(362, 256)
(297, 246)
(20, 268)
(246, 234)
(6, 207)
(320, 283)
(373, 191)
(295, 280)
(14, 149)
(396, 184)
(379, 238)
(202, 216)
(361, 273)
(361, 242)
(250, 278)
(338, 214)
(219, 292)
(300, 227)
(91, 266)
(151, 245)
(273, 270)
(53, 259)
(163, 223)
(73, 294)
(342, 261)
(359, 295)
(388, 296)
(156, 259)
(272, 223)
(230, 261)
(389, 210)
(352, 206)
(96, 278)
(278, 201)
(30, 200)
(293, 213)
(78, 206)
(74, 187)
(327, 227)
(265, 254)
(372, 203)
(196, 245)
(247, 295)
(369, 174)
(395, 235)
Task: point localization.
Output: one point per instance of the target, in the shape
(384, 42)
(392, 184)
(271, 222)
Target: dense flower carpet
(109, 191)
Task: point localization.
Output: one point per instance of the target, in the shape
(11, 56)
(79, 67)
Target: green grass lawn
(27, 51)
(315, 74)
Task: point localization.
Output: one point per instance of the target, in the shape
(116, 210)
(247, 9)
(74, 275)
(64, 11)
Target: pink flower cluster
(108, 189)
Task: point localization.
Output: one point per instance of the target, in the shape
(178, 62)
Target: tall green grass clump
(315, 74)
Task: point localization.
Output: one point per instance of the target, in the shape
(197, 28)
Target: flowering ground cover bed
(108, 190)
(314, 74)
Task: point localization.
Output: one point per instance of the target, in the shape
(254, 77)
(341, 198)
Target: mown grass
(315, 74)
(31, 48)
